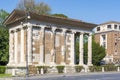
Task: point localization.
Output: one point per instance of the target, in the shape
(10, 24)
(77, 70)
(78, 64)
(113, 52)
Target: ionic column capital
(81, 33)
(89, 34)
(24, 27)
(53, 29)
(64, 31)
(18, 29)
(73, 32)
(11, 31)
(42, 28)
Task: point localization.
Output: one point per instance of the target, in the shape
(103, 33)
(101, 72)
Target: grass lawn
(5, 75)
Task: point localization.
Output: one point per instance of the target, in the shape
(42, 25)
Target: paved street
(82, 76)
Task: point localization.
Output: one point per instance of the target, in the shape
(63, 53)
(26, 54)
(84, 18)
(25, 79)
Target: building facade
(108, 36)
(44, 40)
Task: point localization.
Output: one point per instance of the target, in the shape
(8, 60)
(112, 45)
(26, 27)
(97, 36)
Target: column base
(22, 64)
(29, 63)
(53, 64)
(41, 64)
(11, 64)
(81, 64)
(89, 64)
(63, 63)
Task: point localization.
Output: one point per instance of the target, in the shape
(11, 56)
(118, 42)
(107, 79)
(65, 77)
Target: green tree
(4, 40)
(4, 46)
(77, 48)
(59, 15)
(98, 52)
(3, 15)
(31, 5)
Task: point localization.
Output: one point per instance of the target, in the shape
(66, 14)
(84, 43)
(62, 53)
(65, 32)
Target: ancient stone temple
(45, 40)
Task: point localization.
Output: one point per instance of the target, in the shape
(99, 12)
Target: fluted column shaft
(42, 46)
(64, 47)
(72, 48)
(90, 49)
(22, 58)
(11, 53)
(53, 54)
(15, 47)
(81, 49)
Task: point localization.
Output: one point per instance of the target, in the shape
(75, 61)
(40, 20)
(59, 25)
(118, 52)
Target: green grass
(5, 75)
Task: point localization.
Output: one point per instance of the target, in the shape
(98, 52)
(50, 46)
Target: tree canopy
(4, 40)
(31, 5)
(59, 15)
(4, 46)
(40, 8)
(3, 15)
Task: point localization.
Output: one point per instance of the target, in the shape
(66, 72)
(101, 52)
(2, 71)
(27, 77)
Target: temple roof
(20, 15)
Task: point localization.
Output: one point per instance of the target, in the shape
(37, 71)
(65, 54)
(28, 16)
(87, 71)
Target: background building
(108, 36)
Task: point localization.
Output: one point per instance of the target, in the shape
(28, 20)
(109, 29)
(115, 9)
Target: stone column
(15, 47)
(42, 46)
(64, 47)
(29, 44)
(73, 48)
(81, 49)
(11, 53)
(22, 58)
(53, 46)
(90, 50)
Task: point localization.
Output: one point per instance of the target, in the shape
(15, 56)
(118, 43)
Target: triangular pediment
(14, 16)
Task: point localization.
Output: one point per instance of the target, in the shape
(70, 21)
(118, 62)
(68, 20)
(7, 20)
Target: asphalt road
(83, 76)
(112, 76)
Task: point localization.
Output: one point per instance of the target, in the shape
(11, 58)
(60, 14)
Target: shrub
(78, 68)
(110, 67)
(60, 69)
(2, 69)
(95, 68)
(45, 68)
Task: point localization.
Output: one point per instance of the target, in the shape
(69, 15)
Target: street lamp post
(26, 20)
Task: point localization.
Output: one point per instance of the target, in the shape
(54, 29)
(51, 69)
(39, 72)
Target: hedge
(78, 68)
(110, 67)
(60, 69)
(2, 69)
(95, 68)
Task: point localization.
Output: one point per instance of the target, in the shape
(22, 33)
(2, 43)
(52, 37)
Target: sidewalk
(57, 75)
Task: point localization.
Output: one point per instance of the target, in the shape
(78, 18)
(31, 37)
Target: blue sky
(94, 11)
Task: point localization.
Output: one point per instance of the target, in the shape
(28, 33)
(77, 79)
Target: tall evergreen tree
(98, 52)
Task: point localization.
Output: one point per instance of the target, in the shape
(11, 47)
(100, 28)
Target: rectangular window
(98, 28)
(115, 26)
(115, 43)
(109, 26)
(104, 38)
